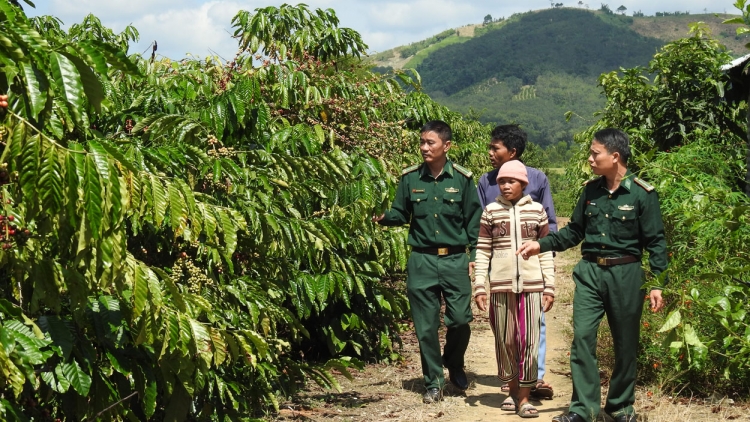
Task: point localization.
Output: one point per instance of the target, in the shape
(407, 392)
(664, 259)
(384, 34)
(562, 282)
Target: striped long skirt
(516, 319)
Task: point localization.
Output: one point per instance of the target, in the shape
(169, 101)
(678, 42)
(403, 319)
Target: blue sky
(200, 27)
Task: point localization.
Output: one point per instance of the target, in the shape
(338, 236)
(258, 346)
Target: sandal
(509, 405)
(528, 411)
(543, 390)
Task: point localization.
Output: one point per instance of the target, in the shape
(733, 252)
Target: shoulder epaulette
(410, 169)
(590, 180)
(463, 170)
(642, 183)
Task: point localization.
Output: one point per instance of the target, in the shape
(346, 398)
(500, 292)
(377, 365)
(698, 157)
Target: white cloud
(420, 14)
(197, 26)
(121, 10)
(194, 30)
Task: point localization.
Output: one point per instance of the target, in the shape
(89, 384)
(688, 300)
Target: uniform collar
(424, 169)
(626, 182)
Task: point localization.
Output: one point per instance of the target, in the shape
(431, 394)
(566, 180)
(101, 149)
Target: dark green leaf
(67, 80)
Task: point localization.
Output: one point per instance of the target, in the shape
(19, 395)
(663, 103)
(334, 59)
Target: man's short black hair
(512, 136)
(614, 140)
(442, 129)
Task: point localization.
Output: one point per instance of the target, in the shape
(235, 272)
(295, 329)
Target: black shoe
(626, 418)
(432, 395)
(458, 378)
(570, 417)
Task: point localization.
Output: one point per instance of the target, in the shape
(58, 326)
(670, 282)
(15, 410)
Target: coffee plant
(190, 240)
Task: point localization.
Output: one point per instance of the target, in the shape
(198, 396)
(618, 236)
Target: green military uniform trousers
(614, 291)
(428, 278)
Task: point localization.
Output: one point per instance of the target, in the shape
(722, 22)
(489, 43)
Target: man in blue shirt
(508, 143)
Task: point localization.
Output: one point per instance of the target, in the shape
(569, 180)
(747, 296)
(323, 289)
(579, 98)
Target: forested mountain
(570, 41)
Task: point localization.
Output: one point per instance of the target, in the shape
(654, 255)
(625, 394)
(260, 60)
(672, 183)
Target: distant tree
(605, 8)
(580, 3)
(487, 19)
(622, 9)
(558, 5)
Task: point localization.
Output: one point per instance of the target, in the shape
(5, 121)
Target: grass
(418, 58)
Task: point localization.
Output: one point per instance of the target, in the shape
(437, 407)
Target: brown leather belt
(447, 250)
(606, 261)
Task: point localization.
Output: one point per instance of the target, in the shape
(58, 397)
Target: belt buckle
(601, 260)
(442, 251)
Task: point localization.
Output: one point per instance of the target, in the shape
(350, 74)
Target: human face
(510, 188)
(601, 161)
(499, 154)
(433, 149)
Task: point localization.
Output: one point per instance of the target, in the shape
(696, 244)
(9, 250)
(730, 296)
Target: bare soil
(467, 30)
(393, 392)
(671, 28)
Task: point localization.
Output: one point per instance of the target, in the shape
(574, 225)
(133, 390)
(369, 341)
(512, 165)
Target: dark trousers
(429, 278)
(614, 291)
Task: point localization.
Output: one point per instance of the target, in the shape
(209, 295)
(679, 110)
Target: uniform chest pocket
(624, 224)
(419, 203)
(591, 213)
(451, 205)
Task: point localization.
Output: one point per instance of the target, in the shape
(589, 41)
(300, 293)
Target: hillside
(534, 67)
(664, 28)
(543, 42)
(539, 108)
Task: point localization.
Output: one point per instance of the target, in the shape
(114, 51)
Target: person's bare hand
(547, 302)
(528, 249)
(3, 101)
(657, 303)
(376, 218)
(472, 265)
(481, 301)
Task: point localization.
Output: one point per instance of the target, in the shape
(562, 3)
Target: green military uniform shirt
(442, 211)
(624, 222)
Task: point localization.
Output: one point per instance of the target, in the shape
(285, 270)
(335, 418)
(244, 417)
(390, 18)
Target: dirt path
(483, 399)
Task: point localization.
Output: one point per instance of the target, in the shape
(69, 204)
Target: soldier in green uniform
(617, 217)
(438, 199)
